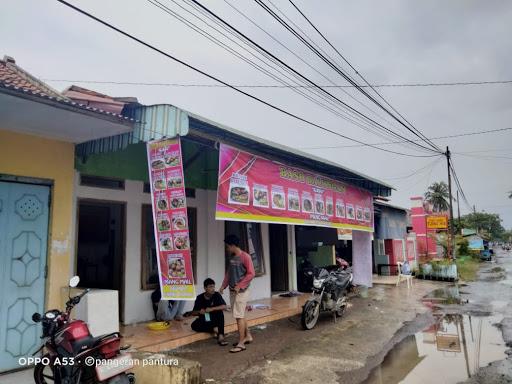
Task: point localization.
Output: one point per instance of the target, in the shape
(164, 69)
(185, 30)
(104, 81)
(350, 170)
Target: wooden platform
(180, 333)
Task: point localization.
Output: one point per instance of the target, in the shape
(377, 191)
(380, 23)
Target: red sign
(170, 219)
(252, 188)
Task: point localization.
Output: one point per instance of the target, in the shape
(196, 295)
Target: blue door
(23, 247)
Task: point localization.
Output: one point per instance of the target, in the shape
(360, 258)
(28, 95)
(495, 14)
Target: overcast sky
(389, 42)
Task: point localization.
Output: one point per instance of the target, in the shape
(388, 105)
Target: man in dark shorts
(208, 307)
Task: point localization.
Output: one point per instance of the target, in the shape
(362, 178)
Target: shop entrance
(278, 239)
(100, 252)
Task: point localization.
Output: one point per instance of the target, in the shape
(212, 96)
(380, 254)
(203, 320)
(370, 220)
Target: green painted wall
(201, 164)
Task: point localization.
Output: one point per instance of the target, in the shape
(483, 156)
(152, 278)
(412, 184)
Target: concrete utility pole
(451, 238)
(458, 207)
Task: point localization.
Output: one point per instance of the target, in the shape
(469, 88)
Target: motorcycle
(71, 355)
(329, 295)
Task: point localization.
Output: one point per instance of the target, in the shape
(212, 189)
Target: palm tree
(438, 195)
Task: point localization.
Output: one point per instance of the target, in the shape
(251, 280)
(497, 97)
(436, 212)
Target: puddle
(446, 295)
(447, 352)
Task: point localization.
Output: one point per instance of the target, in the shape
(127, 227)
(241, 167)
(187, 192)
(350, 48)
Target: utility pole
(458, 207)
(451, 239)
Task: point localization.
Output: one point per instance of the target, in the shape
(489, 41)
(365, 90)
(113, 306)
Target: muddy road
(436, 332)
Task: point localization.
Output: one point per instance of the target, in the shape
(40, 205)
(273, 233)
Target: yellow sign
(437, 222)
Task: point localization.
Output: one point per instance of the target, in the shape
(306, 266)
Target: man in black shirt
(209, 306)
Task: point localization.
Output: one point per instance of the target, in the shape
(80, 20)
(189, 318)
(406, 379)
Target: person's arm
(249, 275)
(217, 308)
(196, 311)
(225, 282)
(219, 303)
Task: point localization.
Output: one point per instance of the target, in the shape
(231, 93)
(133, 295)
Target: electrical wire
(343, 74)
(333, 108)
(169, 56)
(190, 85)
(365, 81)
(431, 138)
(304, 77)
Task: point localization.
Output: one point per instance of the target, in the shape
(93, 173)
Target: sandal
(222, 343)
(237, 349)
(245, 343)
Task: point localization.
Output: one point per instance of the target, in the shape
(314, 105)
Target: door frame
(44, 183)
(122, 280)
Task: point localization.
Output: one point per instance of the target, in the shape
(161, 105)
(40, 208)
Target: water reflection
(449, 351)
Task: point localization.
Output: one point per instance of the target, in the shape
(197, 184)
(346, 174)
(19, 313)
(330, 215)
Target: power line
(412, 128)
(431, 138)
(197, 85)
(302, 76)
(126, 34)
(333, 108)
(344, 75)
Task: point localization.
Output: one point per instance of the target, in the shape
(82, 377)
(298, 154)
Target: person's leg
(199, 325)
(239, 315)
(177, 310)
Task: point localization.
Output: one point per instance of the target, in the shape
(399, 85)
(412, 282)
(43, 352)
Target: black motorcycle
(329, 295)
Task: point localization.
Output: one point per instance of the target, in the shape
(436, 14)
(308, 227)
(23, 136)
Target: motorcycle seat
(90, 342)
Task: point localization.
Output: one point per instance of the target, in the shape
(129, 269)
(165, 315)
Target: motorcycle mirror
(73, 282)
(36, 317)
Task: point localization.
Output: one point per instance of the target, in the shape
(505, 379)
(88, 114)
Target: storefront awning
(158, 121)
(153, 122)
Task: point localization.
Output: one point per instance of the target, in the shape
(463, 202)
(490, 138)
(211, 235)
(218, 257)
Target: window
(149, 278)
(250, 242)
(101, 182)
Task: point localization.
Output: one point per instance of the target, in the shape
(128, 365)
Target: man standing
(208, 307)
(238, 277)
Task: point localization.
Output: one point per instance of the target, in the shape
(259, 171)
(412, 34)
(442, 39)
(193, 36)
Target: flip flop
(237, 349)
(245, 342)
(222, 343)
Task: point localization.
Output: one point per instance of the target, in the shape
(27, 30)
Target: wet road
(466, 341)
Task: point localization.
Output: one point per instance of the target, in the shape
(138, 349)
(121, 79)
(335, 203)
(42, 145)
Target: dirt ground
(348, 350)
(284, 353)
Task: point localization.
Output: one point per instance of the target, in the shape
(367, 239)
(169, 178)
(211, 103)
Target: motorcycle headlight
(317, 283)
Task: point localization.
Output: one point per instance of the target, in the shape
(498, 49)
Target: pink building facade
(426, 243)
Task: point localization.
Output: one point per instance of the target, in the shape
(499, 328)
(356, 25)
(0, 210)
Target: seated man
(209, 306)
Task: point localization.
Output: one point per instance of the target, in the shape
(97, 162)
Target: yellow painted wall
(32, 156)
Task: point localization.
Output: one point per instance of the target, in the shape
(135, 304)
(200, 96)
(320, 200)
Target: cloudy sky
(389, 42)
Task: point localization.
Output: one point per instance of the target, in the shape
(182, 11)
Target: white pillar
(362, 258)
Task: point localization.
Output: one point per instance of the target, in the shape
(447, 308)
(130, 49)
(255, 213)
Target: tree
(484, 223)
(437, 195)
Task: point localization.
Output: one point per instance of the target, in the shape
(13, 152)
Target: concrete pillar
(362, 258)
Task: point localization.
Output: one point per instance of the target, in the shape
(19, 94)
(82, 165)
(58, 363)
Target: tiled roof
(11, 74)
(18, 80)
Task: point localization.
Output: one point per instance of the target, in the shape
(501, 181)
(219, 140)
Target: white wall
(210, 246)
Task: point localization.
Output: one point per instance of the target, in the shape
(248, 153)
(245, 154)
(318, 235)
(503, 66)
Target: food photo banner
(170, 219)
(252, 188)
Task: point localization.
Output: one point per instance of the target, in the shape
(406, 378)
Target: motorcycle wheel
(310, 314)
(44, 374)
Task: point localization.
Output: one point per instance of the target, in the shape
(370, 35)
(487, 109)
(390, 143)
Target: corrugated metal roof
(158, 121)
(153, 122)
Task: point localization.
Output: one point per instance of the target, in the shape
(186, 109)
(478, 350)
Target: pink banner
(252, 188)
(170, 219)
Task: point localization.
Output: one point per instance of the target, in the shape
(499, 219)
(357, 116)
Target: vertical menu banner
(170, 219)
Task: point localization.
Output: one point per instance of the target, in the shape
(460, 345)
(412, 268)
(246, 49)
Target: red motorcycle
(71, 355)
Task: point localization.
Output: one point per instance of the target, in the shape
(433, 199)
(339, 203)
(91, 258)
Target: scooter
(329, 295)
(71, 355)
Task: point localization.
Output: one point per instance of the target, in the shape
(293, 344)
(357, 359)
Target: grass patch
(467, 267)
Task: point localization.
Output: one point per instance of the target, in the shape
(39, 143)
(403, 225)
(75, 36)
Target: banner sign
(252, 188)
(437, 222)
(170, 219)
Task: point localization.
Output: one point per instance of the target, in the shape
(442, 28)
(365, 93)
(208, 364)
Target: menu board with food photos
(254, 189)
(170, 219)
